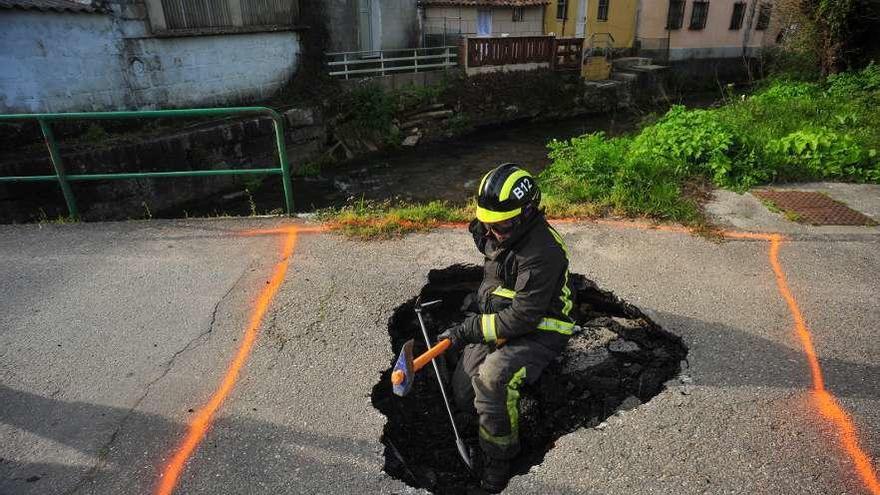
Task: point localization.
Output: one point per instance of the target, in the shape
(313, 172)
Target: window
(739, 11)
(561, 9)
(699, 14)
(676, 14)
(221, 16)
(603, 10)
(763, 17)
(518, 14)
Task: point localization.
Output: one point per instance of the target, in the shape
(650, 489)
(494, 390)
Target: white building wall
(63, 62)
(531, 25)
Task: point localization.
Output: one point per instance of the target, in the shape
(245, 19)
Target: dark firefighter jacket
(526, 286)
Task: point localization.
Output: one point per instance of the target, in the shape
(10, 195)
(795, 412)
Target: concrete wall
(397, 22)
(716, 40)
(400, 24)
(62, 62)
(464, 20)
(473, 71)
(342, 17)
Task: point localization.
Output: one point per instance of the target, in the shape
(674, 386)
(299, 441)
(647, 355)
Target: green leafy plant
(787, 130)
(367, 110)
(819, 153)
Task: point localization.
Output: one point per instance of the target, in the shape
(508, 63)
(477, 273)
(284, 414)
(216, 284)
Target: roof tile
(55, 5)
(485, 3)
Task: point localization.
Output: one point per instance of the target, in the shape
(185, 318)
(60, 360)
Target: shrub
(788, 130)
(688, 141)
(820, 153)
(847, 84)
(783, 90)
(366, 108)
(585, 168)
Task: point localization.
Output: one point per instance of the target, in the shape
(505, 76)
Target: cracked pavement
(107, 343)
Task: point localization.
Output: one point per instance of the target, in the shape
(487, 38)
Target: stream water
(447, 170)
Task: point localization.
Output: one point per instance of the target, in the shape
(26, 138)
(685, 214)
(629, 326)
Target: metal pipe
(55, 158)
(136, 114)
(145, 175)
(282, 158)
(459, 443)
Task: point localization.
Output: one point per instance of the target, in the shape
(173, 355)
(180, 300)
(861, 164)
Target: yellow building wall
(560, 28)
(621, 23)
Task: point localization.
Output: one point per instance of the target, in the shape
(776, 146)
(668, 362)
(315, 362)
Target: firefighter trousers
(487, 382)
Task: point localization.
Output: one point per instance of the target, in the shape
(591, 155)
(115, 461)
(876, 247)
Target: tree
(841, 27)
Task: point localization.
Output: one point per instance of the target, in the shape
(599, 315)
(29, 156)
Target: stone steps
(625, 63)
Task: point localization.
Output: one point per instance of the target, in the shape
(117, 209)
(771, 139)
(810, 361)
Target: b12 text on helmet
(524, 187)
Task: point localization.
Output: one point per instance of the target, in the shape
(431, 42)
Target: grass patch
(384, 220)
(790, 215)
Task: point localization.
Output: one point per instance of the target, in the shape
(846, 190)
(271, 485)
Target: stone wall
(65, 62)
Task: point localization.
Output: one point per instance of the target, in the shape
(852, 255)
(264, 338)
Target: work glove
(470, 305)
(459, 336)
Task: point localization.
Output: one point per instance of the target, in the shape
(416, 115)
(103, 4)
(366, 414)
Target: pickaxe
(406, 367)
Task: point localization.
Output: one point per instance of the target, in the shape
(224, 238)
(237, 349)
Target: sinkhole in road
(620, 360)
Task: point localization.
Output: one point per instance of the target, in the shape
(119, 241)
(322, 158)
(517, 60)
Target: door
(580, 27)
(369, 27)
(484, 22)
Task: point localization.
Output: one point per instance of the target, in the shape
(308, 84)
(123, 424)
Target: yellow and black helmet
(504, 192)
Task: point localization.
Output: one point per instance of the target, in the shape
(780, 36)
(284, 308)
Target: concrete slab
(300, 420)
(745, 212)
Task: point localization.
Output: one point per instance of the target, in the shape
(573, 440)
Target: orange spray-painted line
(827, 405)
(202, 420)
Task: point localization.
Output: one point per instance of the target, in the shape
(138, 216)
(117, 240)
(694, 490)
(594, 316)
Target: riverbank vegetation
(787, 130)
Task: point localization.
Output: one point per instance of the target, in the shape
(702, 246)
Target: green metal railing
(64, 179)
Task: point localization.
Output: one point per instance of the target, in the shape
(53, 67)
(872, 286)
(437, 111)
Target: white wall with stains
(64, 62)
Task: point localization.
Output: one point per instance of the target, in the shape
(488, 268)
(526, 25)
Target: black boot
(496, 474)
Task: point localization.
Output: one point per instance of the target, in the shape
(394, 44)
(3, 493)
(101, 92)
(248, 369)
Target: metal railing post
(416, 60)
(55, 158)
(286, 181)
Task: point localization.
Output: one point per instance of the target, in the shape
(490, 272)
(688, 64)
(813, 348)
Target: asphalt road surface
(124, 349)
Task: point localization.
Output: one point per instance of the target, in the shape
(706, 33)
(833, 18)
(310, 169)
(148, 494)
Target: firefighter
(519, 318)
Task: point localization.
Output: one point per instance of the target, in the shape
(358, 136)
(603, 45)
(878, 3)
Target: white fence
(384, 62)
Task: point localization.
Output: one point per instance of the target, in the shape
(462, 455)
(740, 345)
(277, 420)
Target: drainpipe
(636, 23)
(420, 19)
(746, 37)
(748, 30)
